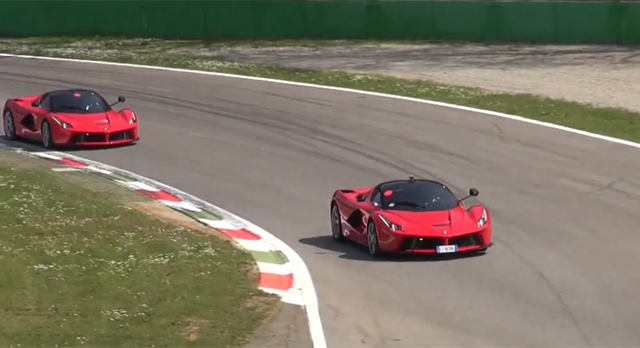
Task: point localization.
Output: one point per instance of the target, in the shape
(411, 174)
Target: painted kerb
(282, 271)
(567, 22)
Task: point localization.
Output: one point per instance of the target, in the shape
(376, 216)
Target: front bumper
(76, 138)
(428, 245)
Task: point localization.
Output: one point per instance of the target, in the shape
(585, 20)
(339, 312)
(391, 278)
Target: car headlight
(390, 224)
(64, 124)
(133, 118)
(483, 218)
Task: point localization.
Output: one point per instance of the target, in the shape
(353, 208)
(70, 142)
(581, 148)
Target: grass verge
(189, 54)
(79, 267)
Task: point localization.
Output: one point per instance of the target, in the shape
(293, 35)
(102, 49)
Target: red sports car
(410, 216)
(69, 117)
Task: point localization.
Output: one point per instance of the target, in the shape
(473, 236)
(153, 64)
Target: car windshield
(420, 195)
(78, 102)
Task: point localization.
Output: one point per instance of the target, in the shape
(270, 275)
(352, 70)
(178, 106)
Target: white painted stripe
(67, 169)
(136, 185)
(293, 296)
(45, 155)
(96, 169)
(181, 205)
(217, 224)
(273, 268)
(254, 245)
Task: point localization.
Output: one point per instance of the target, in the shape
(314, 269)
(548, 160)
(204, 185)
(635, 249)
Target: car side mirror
(121, 99)
(361, 197)
(35, 104)
(473, 192)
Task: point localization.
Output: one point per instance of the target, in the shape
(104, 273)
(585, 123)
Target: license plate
(447, 248)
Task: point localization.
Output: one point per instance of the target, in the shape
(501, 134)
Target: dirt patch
(193, 328)
(166, 214)
(599, 75)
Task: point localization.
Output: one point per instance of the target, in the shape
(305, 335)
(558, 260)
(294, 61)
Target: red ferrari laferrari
(69, 117)
(410, 216)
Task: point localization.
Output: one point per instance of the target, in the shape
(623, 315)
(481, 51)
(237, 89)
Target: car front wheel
(47, 138)
(336, 224)
(9, 125)
(372, 239)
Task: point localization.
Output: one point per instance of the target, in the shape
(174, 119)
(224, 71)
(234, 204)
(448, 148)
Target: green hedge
(548, 22)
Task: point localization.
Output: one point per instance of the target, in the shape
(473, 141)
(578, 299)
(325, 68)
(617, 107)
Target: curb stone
(276, 273)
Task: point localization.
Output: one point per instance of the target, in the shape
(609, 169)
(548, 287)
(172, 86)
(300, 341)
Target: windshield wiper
(410, 204)
(72, 108)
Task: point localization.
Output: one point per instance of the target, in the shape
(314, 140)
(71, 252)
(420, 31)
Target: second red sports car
(410, 216)
(69, 117)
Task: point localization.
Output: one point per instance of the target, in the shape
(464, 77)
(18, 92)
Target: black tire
(9, 125)
(372, 239)
(47, 137)
(336, 224)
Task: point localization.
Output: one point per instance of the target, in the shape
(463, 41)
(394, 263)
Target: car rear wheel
(47, 138)
(9, 125)
(372, 239)
(336, 224)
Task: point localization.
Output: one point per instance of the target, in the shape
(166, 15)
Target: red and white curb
(275, 277)
(282, 271)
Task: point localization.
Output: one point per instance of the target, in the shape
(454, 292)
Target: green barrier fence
(543, 22)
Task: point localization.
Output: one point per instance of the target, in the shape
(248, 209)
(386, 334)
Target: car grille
(423, 243)
(118, 136)
(89, 138)
(466, 240)
(102, 137)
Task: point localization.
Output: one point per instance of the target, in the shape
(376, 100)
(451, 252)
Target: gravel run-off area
(606, 76)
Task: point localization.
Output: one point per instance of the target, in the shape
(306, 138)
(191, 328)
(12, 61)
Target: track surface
(565, 208)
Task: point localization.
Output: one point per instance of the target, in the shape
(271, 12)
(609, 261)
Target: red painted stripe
(160, 195)
(239, 234)
(276, 281)
(71, 162)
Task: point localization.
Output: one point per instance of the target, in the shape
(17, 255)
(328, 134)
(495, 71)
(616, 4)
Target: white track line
(218, 224)
(66, 169)
(273, 268)
(181, 205)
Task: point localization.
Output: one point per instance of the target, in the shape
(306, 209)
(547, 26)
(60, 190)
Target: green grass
(77, 270)
(607, 121)
(135, 43)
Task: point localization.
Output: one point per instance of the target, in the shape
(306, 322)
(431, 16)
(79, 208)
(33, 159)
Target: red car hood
(96, 122)
(455, 222)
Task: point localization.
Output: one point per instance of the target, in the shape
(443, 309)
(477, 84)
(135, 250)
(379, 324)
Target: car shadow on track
(30, 145)
(353, 251)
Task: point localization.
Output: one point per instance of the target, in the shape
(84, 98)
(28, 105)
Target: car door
(366, 208)
(32, 122)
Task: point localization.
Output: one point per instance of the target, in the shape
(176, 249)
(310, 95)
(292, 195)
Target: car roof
(71, 90)
(399, 183)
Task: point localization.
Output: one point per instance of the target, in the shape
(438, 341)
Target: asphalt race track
(563, 272)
